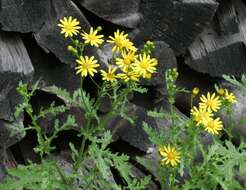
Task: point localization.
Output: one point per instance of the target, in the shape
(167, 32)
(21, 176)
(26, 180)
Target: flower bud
(72, 49)
(99, 28)
(221, 91)
(195, 91)
(76, 42)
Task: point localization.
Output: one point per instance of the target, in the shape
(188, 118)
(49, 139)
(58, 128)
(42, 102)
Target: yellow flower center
(68, 27)
(171, 156)
(199, 117)
(144, 64)
(92, 37)
(110, 76)
(211, 125)
(118, 42)
(210, 103)
(127, 60)
(87, 65)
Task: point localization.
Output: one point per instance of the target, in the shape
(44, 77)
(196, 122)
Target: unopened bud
(150, 44)
(72, 49)
(99, 28)
(195, 91)
(76, 42)
(221, 91)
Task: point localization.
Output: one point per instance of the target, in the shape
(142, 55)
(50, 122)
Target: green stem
(172, 115)
(171, 181)
(95, 83)
(82, 94)
(81, 154)
(191, 101)
(201, 148)
(87, 126)
(39, 132)
(230, 124)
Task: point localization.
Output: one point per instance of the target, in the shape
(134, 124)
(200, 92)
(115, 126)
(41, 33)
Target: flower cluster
(208, 106)
(127, 64)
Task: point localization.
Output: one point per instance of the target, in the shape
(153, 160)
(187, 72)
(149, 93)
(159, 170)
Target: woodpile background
(202, 38)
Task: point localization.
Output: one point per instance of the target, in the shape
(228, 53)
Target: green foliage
(219, 168)
(153, 134)
(148, 48)
(93, 131)
(26, 97)
(42, 176)
(105, 160)
(219, 163)
(239, 83)
(79, 98)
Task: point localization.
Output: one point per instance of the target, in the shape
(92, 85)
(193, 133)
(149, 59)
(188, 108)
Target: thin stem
(200, 147)
(82, 146)
(230, 125)
(81, 153)
(171, 181)
(172, 114)
(191, 100)
(95, 83)
(38, 130)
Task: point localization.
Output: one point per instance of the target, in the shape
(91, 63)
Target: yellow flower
(132, 75)
(69, 26)
(230, 97)
(125, 62)
(110, 75)
(170, 154)
(210, 102)
(92, 38)
(195, 91)
(145, 65)
(201, 116)
(213, 126)
(86, 66)
(127, 44)
(121, 42)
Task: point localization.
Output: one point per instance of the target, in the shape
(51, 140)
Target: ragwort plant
(92, 161)
(180, 145)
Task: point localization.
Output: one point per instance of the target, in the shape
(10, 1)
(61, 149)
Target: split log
(123, 12)
(49, 70)
(49, 37)
(217, 55)
(226, 18)
(133, 133)
(222, 52)
(9, 134)
(175, 22)
(23, 15)
(15, 65)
